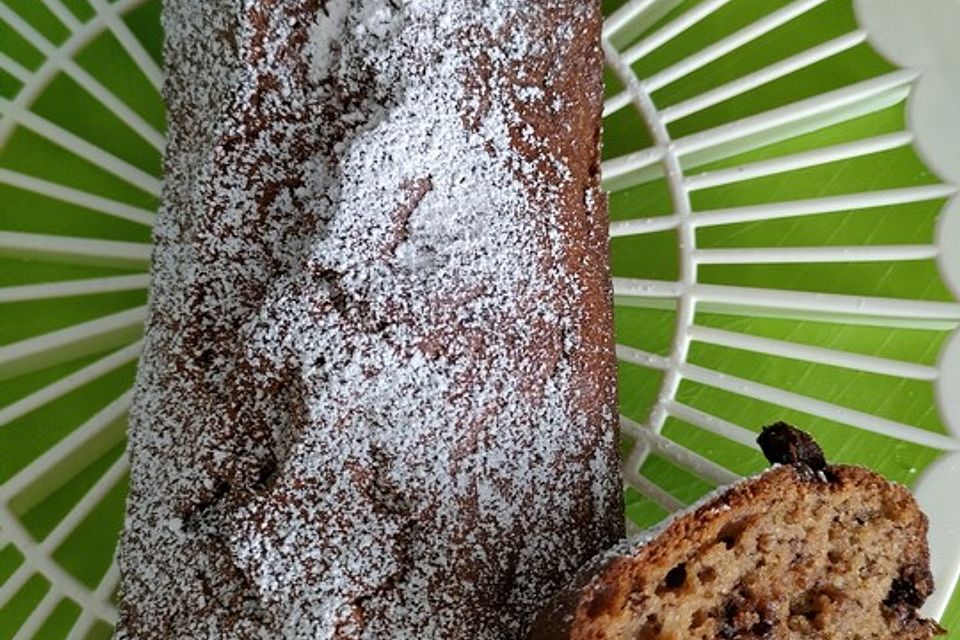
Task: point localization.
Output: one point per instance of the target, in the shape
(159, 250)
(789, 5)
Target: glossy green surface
(86, 552)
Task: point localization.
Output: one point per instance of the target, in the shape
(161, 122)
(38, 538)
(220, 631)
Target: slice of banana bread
(804, 550)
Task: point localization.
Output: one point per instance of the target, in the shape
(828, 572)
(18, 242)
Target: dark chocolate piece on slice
(784, 444)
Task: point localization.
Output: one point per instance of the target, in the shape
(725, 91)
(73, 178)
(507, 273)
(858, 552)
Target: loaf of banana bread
(377, 395)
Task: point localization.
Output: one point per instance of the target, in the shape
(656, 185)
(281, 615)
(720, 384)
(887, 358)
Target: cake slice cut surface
(804, 550)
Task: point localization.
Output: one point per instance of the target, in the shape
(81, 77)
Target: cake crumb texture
(785, 555)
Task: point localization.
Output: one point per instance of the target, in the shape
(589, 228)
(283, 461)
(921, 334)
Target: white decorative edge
(915, 35)
(937, 488)
(103, 429)
(921, 35)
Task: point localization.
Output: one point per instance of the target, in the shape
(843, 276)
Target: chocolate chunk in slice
(784, 444)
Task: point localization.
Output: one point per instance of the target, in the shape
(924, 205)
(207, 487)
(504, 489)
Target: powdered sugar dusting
(376, 394)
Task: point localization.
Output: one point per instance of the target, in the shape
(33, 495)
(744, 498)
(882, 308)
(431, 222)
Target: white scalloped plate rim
(919, 41)
(892, 28)
(922, 36)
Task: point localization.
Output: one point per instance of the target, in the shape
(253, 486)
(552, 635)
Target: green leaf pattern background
(80, 166)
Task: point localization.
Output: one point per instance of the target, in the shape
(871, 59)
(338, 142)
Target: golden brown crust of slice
(839, 553)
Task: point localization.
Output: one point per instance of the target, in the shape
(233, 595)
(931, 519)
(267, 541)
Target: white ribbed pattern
(676, 160)
(113, 336)
(631, 34)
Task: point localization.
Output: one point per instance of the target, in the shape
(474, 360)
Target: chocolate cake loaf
(376, 397)
(804, 550)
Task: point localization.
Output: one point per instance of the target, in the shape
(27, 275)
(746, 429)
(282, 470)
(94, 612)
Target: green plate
(775, 251)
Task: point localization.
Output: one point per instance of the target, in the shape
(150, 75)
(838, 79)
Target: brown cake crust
(712, 560)
(377, 395)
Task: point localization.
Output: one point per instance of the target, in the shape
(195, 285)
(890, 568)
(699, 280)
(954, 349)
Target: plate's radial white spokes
(813, 158)
(686, 236)
(75, 196)
(806, 115)
(810, 353)
(129, 42)
(78, 513)
(640, 165)
(642, 358)
(39, 615)
(69, 383)
(108, 584)
(658, 39)
(734, 41)
(634, 17)
(64, 15)
(109, 581)
(804, 352)
(615, 103)
(824, 307)
(669, 31)
(877, 310)
(809, 255)
(14, 68)
(789, 209)
(829, 204)
(92, 428)
(36, 562)
(626, 16)
(82, 626)
(752, 132)
(50, 69)
(15, 582)
(71, 342)
(70, 288)
(821, 408)
(719, 49)
(616, 168)
(75, 250)
(763, 76)
(713, 424)
(90, 84)
(652, 491)
(78, 146)
(646, 288)
(643, 226)
(703, 468)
